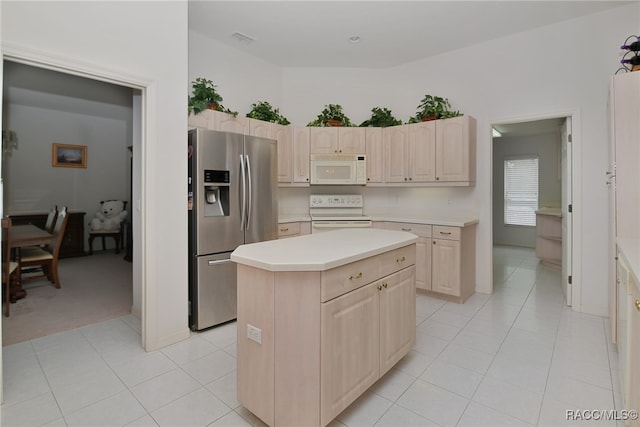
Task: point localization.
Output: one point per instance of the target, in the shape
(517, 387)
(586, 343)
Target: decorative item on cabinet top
(631, 56)
(381, 117)
(331, 115)
(262, 110)
(433, 107)
(205, 96)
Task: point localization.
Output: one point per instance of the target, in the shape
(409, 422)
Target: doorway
(43, 106)
(532, 189)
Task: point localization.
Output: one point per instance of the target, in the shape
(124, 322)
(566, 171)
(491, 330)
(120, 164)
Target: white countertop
(285, 218)
(321, 251)
(549, 211)
(433, 219)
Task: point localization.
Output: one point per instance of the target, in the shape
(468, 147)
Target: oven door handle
(340, 225)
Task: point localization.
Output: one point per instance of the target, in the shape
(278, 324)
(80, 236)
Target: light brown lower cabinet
(292, 229)
(445, 258)
(629, 339)
(325, 336)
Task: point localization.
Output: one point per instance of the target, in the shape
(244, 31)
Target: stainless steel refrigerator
(232, 201)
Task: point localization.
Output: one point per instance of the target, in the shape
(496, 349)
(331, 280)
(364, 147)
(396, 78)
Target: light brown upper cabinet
(438, 151)
(337, 140)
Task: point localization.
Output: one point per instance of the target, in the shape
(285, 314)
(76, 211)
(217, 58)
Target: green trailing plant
(331, 115)
(205, 96)
(381, 117)
(262, 110)
(433, 107)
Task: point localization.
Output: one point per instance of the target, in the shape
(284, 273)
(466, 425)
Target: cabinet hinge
(569, 279)
(569, 138)
(570, 208)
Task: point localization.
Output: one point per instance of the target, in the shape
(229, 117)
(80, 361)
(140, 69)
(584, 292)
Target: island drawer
(447, 233)
(340, 280)
(288, 229)
(421, 230)
(397, 259)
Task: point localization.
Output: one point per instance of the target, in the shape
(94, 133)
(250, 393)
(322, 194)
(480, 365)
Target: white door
(567, 200)
(613, 232)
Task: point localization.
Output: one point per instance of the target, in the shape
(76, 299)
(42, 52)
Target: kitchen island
(321, 318)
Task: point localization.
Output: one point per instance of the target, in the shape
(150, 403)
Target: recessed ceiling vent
(243, 38)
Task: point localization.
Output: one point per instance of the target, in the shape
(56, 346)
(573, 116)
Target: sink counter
(321, 251)
(433, 219)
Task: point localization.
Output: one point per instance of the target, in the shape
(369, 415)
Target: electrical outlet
(254, 334)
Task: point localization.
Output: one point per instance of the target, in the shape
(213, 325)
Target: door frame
(576, 183)
(148, 94)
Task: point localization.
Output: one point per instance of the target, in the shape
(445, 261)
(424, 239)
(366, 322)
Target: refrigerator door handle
(248, 216)
(243, 197)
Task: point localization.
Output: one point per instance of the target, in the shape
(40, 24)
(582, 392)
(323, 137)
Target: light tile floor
(517, 357)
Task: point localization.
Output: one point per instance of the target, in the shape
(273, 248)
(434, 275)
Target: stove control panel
(336, 201)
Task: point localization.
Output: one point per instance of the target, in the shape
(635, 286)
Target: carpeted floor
(93, 288)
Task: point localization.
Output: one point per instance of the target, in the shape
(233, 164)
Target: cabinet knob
(437, 178)
(407, 229)
(379, 287)
(434, 242)
(384, 285)
(284, 229)
(357, 276)
(637, 302)
(446, 233)
(399, 260)
(410, 179)
(306, 179)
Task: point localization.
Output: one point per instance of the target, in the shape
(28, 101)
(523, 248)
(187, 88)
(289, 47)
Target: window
(520, 191)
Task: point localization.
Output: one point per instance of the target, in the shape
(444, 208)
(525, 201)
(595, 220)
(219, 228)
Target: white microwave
(338, 169)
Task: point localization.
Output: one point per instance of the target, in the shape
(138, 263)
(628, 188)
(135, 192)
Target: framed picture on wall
(69, 156)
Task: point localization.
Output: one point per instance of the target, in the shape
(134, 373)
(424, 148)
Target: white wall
(144, 42)
(537, 72)
(546, 147)
(34, 185)
(241, 79)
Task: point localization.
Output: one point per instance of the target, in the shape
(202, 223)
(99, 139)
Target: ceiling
(534, 127)
(316, 33)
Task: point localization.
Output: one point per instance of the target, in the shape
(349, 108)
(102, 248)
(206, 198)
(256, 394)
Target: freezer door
(262, 175)
(217, 191)
(215, 295)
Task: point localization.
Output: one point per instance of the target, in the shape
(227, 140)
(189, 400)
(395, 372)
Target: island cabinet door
(397, 317)
(349, 346)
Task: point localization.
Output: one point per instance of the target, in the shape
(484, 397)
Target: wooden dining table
(22, 236)
(29, 235)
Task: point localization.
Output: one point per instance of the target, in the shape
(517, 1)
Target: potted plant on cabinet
(331, 115)
(262, 110)
(432, 108)
(381, 117)
(205, 96)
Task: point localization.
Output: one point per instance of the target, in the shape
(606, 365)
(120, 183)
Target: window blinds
(520, 191)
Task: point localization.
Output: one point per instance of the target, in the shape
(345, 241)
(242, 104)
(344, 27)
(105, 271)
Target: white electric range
(335, 211)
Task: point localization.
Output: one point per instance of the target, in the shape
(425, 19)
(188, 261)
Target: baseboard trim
(165, 341)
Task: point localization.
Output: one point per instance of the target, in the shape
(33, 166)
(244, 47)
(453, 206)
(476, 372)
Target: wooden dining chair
(45, 259)
(9, 267)
(51, 219)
